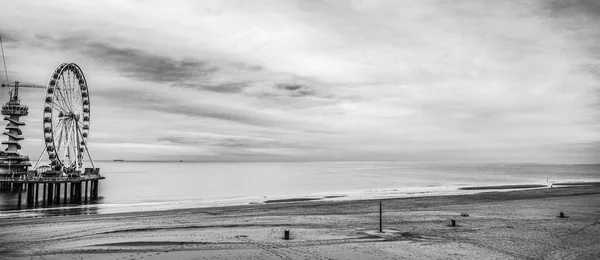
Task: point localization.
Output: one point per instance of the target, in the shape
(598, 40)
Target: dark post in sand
(380, 218)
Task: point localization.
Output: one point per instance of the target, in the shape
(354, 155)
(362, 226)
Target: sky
(428, 80)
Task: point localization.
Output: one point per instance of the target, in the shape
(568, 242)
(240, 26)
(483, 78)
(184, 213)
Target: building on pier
(12, 163)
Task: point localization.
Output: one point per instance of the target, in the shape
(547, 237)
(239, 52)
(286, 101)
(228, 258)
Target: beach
(516, 224)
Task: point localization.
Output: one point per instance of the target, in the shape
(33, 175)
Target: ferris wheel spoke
(63, 86)
(70, 87)
(80, 100)
(66, 141)
(77, 100)
(59, 143)
(80, 126)
(60, 97)
(80, 144)
(64, 95)
(64, 136)
(67, 92)
(74, 86)
(74, 144)
(59, 107)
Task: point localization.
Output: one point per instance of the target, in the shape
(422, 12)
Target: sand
(522, 224)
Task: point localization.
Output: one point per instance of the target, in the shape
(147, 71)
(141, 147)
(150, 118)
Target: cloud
(575, 7)
(208, 75)
(233, 87)
(297, 90)
(148, 67)
(141, 65)
(164, 104)
(233, 142)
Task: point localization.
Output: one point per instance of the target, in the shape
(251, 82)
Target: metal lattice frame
(67, 117)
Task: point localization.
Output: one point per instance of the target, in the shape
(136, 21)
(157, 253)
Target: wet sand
(521, 224)
(505, 187)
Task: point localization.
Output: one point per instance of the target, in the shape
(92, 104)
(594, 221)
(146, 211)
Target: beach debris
(464, 214)
(286, 234)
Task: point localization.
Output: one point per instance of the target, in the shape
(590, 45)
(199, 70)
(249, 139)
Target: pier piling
(65, 195)
(72, 194)
(58, 193)
(37, 193)
(50, 193)
(96, 189)
(44, 194)
(30, 192)
(19, 199)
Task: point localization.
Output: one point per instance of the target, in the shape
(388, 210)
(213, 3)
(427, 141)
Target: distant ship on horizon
(118, 160)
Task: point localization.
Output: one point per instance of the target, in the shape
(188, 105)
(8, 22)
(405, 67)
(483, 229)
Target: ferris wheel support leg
(39, 158)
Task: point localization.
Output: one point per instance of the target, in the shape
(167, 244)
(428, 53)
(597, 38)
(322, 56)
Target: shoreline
(416, 227)
(396, 193)
(455, 199)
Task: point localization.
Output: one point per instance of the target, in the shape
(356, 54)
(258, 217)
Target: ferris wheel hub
(69, 115)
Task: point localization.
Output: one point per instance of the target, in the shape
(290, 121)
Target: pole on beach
(380, 218)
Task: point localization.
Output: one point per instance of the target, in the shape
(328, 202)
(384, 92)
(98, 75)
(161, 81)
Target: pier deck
(50, 179)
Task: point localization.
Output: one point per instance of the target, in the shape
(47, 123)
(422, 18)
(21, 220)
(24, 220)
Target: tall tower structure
(12, 163)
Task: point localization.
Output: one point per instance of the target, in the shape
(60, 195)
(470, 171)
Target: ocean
(145, 186)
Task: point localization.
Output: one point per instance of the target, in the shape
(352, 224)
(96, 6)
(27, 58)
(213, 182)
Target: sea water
(145, 186)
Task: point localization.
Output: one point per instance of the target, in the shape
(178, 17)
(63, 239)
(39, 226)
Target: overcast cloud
(431, 80)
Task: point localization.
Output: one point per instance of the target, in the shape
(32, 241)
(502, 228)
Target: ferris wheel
(67, 118)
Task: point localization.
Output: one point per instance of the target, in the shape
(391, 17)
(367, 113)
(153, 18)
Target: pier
(75, 190)
(66, 128)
